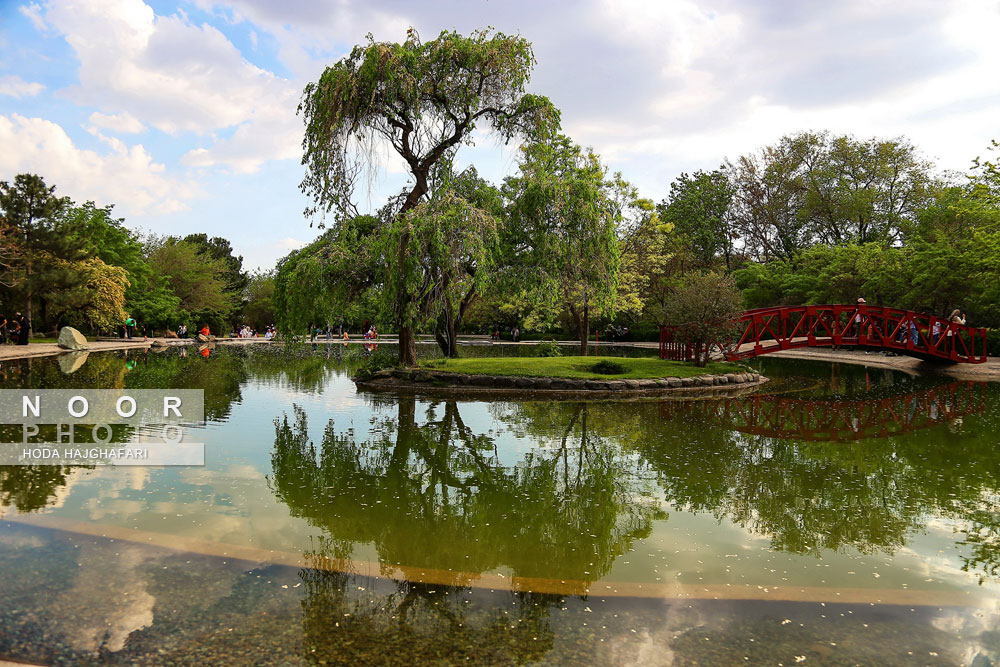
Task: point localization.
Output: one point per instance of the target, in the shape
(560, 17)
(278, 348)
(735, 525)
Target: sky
(183, 114)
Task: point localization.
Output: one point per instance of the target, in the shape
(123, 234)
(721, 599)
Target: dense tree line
(63, 263)
(564, 246)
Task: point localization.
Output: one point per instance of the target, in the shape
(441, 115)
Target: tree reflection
(742, 460)
(436, 495)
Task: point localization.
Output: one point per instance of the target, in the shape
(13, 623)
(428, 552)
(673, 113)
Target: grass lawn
(577, 367)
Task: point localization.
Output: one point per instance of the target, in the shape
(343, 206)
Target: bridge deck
(767, 330)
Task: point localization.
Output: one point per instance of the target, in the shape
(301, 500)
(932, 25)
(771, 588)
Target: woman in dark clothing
(22, 323)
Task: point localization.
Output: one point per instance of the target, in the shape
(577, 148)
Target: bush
(548, 348)
(606, 367)
(993, 342)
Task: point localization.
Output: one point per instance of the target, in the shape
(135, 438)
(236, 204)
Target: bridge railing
(765, 330)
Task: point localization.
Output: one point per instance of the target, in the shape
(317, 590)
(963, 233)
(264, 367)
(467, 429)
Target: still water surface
(840, 515)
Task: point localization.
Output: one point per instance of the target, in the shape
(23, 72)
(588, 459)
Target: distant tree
(768, 196)
(703, 308)
(28, 207)
(258, 309)
(194, 277)
(698, 207)
(424, 99)
(220, 249)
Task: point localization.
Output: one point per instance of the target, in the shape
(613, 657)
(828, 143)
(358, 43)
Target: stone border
(427, 379)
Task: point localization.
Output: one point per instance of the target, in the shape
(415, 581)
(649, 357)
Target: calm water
(838, 516)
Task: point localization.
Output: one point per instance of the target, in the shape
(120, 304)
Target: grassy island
(578, 367)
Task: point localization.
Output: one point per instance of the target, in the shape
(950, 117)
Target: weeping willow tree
(424, 100)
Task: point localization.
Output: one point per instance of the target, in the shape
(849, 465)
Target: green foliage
(548, 348)
(561, 232)
(608, 367)
(196, 278)
(698, 208)
(576, 367)
(422, 98)
(703, 308)
(335, 278)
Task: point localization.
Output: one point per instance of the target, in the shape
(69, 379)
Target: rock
(615, 385)
(70, 362)
(720, 379)
(202, 338)
(706, 380)
(558, 383)
(71, 339)
(647, 384)
(171, 334)
(731, 378)
(480, 380)
(504, 381)
(543, 383)
(576, 384)
(421, 376)
(687, 382)
(157, 344)
(595, 385)
(384, 373)
(674, 383)
(524, 383)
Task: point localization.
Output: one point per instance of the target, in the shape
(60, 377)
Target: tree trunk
(452, 326)
(407, 346)
(584, 327)
(440, 336)
(27, 298)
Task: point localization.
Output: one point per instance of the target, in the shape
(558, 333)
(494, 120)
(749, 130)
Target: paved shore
(989, 371)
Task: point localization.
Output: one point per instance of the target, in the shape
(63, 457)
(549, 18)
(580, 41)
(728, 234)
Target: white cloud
(178, 77)
(119, 122)
(126, 176)
(289, 244)
(33, 12)
(15, 86)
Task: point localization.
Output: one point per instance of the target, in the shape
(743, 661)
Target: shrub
(548, 348)
(606, 367)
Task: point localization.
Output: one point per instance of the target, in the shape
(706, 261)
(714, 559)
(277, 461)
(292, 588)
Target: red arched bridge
(766, 330)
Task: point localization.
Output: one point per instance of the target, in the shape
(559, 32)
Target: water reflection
(839, 420)
(434, 494)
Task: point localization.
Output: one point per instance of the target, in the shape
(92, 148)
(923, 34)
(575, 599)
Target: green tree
(258, 308)
(562, 223)
(29, 208)
(338, 275)
(424, 99)
(698, 208)
(195, 278)
(703, 308)
(219, 248)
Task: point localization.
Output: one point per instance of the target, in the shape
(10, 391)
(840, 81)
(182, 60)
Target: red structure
(830, 420)
(767, 330)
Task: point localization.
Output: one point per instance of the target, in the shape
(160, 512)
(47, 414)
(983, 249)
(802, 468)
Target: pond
(840, 515)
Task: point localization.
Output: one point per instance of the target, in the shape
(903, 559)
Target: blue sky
(182, 114)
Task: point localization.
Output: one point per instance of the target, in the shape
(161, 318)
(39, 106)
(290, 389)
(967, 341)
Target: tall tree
(29, 208)
(196, 279)
(698, 207)
(424, 99)
(563, 220)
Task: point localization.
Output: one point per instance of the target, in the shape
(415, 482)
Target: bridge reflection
(838, 420)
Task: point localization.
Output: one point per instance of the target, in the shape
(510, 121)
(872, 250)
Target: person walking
(129, 326)
(329, 331)
(23, 329)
